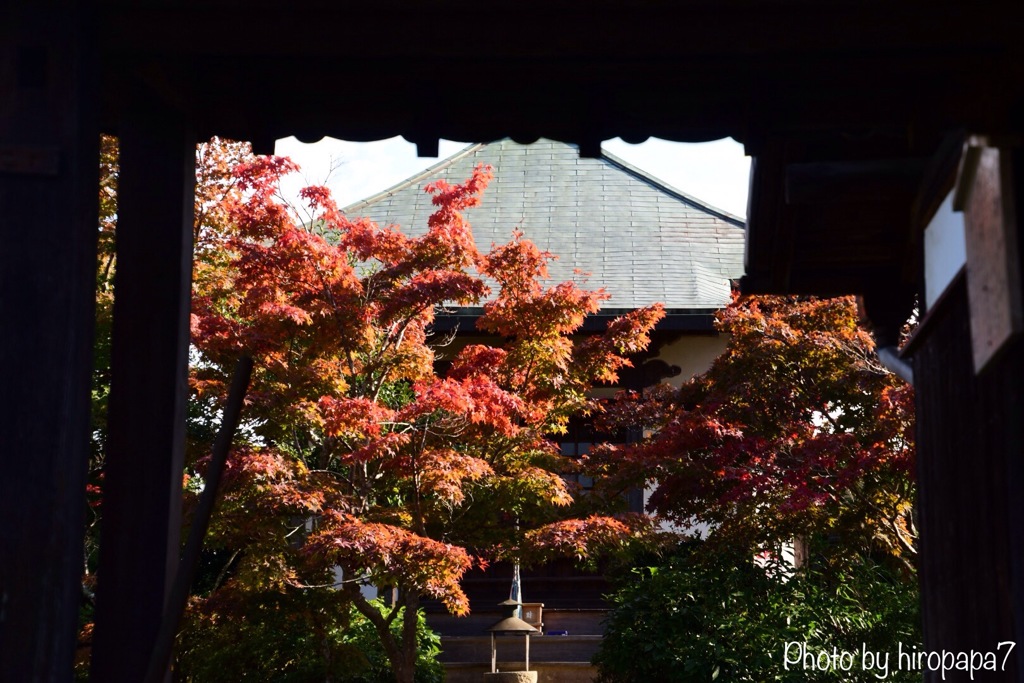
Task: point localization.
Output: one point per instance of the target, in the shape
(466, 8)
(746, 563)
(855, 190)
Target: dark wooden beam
(852, 182)
(745, 64)
(49, 148)
(139, 546)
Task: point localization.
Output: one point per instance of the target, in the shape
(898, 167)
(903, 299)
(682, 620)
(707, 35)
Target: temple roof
(637, 237)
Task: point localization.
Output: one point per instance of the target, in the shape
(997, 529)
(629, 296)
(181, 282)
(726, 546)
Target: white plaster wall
(693, 354)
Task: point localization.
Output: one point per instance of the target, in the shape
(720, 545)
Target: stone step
(547, 672)
(574, 621)
(577, 622)
(477, 649)
(579, 592)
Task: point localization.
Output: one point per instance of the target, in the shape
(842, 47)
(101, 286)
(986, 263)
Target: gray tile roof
(640, 239)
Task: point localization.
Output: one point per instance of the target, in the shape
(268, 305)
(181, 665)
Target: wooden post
(49, 147)
(970, 484)
(494, 655)
(139, 546)
(527, 636)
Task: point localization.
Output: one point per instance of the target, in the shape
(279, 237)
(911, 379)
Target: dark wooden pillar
(971, 485)
(965, 442)
(139, 542)
(1011, 388)
(48, 208)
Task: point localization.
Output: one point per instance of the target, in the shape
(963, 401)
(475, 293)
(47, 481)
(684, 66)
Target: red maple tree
(362, 465)
(795, 431)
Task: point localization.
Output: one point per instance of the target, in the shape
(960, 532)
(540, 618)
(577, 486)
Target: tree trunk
(405, 670)
(410, 646)
(401, 652)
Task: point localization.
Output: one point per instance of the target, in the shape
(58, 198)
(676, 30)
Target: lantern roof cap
(513, 625)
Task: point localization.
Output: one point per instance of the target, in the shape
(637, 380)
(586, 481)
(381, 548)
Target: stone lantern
(514, 626)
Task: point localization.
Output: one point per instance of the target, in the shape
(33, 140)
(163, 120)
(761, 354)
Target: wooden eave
(688, 322)
(841, 104)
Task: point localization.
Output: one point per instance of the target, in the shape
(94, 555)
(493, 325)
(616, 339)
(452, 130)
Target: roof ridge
(416, 178)
(660, 184)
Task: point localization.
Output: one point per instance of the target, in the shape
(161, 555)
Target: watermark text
(797, 655)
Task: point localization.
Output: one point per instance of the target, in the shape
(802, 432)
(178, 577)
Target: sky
(714, 172)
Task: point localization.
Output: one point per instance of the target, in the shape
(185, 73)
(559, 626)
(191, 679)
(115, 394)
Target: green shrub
(291, 637)
(692, 619)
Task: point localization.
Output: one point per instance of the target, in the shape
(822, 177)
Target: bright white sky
(713, 172)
